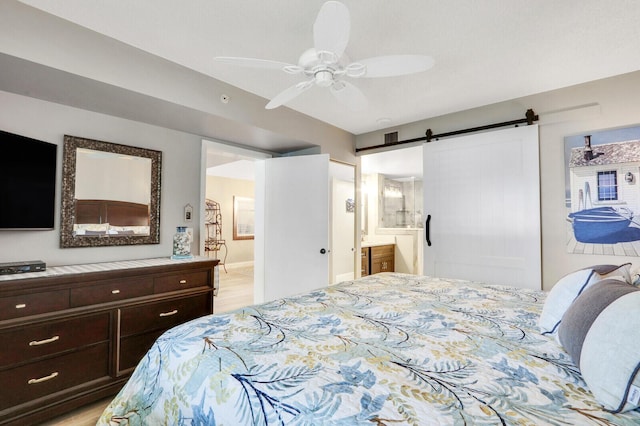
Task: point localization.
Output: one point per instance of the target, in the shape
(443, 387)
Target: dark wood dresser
(72, 335)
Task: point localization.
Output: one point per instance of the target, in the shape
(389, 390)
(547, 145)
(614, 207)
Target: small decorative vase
(181, 244)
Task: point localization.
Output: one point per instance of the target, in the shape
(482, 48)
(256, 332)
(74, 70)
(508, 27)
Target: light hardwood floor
(236, 291)
(236, 288)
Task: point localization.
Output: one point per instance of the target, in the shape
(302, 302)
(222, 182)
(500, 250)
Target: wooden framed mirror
(110, 194)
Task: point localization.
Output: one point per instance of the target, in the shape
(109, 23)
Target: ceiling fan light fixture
(338, 86)
(309, 59)
(324, 78)
(355, 69)
(327, 57)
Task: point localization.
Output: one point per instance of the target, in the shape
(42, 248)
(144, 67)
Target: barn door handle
(427, 230)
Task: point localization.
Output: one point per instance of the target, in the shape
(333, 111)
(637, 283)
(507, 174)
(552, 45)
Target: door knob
(322, 251)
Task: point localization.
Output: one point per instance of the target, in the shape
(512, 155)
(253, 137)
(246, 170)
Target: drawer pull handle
(115, 291)
(43, 379)
(21, 306)
(44, 342)
(183, 281)
(168, 314)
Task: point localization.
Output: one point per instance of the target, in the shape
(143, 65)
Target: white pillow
(571, 286)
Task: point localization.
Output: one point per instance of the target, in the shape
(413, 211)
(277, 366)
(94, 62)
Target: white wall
(50, 122)
(603, 104)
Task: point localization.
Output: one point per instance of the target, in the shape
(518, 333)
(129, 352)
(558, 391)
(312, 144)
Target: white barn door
(482, 208)
(292, 237)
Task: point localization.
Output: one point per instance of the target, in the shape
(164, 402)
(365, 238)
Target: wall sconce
(628, 177)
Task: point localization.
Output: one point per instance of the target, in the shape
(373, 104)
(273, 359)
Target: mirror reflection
(401, 203)
(397, 202)
(110, 194)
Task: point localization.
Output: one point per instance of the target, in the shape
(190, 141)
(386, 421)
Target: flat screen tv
(27, 183)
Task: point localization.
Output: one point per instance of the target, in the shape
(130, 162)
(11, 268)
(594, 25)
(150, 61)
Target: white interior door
(482, 208)
(292, 237)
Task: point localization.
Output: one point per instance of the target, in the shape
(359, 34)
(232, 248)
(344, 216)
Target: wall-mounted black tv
(27, 183)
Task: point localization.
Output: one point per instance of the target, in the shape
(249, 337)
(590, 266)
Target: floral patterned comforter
(388, 349)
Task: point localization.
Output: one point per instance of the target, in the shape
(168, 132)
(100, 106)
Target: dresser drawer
(112, 291)
(26, 343)
(52, 375)
(33, 304)
(163, 315)
(181, 281)
(133, 348)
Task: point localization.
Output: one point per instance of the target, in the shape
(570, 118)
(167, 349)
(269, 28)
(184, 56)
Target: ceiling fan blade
(255, 63)
(332, 27)
(288, 94)
(349, 95)
(393, 65)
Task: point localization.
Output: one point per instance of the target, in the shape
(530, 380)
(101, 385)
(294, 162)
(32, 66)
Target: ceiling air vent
(390, 138)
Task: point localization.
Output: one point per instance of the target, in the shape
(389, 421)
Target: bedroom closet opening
(256, 240)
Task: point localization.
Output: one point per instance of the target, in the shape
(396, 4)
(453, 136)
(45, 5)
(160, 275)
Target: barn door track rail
(530, 118)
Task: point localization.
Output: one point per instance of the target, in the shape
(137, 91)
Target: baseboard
(345, 277)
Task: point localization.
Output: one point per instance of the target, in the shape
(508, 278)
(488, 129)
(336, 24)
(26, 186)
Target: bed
(387, 349)
(110, 217)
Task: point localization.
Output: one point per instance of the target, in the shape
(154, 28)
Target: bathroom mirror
(110, 194)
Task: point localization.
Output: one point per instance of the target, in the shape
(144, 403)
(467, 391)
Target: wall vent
(390, 138)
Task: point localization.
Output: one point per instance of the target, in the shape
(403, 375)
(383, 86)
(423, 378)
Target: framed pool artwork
(603, 192)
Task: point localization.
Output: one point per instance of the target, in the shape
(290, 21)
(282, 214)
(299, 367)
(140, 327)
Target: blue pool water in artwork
(604, 225)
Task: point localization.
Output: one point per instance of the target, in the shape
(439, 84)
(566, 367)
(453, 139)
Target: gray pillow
(565, 291)
(601, 331)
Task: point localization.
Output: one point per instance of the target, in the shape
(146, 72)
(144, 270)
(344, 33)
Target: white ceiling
(485, 51)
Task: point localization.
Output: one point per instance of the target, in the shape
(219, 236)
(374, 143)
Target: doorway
(342, 258)
(228, 177)
(233, 172)
(392, 198)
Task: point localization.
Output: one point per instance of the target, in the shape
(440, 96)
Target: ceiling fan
(325, 66)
